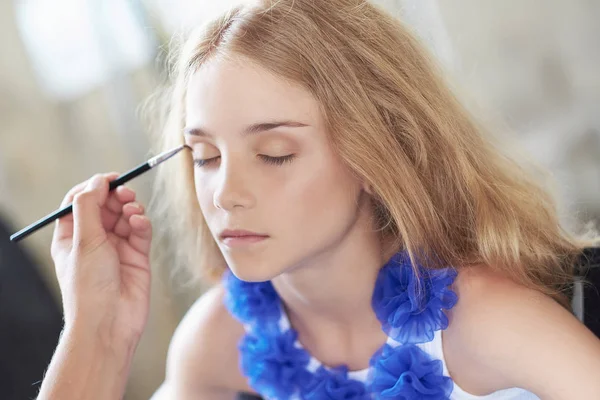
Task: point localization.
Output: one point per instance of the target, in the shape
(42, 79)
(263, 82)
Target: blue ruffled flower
(273, 365)
(410, 308)
(334, 384)
(406, 372)
(250, 301)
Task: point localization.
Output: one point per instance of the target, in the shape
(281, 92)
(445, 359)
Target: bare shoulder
(203, 353)
(504, 335)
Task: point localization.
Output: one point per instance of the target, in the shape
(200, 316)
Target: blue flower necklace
(410, 309)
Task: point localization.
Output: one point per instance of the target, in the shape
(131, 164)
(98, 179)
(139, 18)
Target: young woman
(366, 238)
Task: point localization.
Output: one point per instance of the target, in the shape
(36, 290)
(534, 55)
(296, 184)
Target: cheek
(325, 197)
(204, 195)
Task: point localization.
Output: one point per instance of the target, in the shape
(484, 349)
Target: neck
(334, 288)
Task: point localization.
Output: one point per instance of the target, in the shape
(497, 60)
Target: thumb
(87, 219)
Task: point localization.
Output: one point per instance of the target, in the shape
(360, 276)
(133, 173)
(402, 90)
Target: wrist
(85, 367)
(101, 341)
(105, 336)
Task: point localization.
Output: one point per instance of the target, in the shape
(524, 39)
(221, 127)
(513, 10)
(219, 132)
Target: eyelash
(268, 159)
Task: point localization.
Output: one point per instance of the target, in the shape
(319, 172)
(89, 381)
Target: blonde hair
(440, 187)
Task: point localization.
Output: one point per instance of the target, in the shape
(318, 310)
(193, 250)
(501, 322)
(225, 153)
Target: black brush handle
(127, 176)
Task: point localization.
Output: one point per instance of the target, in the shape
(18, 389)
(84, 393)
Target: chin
(252, 269)
(252, 274)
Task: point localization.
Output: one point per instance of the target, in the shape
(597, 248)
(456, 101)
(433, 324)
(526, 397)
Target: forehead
(226, 89)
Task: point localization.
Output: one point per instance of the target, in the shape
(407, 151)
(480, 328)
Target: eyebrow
(250, 129)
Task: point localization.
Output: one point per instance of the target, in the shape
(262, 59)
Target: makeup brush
(126, 177)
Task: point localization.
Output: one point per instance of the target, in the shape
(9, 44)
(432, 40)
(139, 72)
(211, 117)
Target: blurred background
(73, 74)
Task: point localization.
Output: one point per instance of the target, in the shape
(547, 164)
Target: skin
(322, 243)
(101, 255)
(322, 254)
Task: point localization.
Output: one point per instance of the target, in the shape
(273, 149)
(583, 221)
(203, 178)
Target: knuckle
(96, 177)
(82, 198)
(75, 189)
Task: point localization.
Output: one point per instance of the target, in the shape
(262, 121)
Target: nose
(233, 188)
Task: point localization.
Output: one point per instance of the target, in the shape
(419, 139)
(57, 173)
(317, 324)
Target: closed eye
(277, 160)
(201, 163)
(268, 159)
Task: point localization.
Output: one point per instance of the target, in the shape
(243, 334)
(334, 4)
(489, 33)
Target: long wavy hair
(440, 187)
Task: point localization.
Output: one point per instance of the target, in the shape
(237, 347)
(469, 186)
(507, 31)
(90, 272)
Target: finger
(131, 256)
(120, 196)
(64, 225)
(122, 227)
(141, 233)
(113, 210)
(87, 205)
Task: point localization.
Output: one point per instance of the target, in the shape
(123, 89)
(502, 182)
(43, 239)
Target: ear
(367, 188)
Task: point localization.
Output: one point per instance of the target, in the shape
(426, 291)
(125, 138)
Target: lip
(240, 237)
